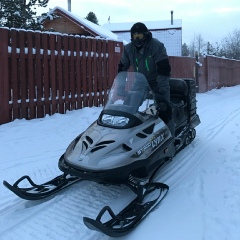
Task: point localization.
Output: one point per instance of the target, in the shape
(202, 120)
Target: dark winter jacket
(150, 60)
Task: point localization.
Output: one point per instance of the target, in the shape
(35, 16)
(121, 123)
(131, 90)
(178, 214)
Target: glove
(162, 106)
(165, 111)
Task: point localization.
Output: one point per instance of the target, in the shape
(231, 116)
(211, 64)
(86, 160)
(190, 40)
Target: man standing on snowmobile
(148, 56)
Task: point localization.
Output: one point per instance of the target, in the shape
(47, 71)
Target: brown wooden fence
(182, 67)
(209, 72)
(217, 72)
(47, 73)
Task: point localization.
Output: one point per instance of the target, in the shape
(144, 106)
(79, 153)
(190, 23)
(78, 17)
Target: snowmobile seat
(178, 97)
(178, 91)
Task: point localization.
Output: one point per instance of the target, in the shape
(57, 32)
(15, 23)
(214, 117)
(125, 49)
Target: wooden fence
(215, 72)
(47, 73)
(209, 72)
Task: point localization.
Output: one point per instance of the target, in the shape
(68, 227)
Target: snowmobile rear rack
(36, 192)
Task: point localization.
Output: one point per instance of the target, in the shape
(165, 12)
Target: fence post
(4, 80)
(78, 64)
(111, 66)
(23, 74)
(196, 71)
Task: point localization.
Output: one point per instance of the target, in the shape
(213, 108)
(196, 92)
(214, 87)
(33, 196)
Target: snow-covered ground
(204, 198)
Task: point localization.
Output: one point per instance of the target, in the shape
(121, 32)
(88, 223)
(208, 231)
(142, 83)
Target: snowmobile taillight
(111, 120)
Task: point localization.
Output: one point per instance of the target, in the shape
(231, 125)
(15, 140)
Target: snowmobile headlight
(118, 121)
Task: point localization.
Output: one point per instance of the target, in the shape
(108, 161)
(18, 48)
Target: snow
(203, 202)
(151, 25)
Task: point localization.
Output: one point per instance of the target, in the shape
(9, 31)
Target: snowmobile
(128, 144)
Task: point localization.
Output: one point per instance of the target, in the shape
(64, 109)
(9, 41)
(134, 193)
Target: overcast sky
(213, 19)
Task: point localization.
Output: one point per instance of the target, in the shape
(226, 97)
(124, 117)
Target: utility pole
(69, 5)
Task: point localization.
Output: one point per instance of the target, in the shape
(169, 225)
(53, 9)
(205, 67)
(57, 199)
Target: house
(168, 31)
(70, 23)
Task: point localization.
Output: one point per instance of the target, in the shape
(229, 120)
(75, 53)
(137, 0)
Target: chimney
(69, 5)
(172, 17)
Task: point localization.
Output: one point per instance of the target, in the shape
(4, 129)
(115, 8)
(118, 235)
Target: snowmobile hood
(127, 129)
(101, 148)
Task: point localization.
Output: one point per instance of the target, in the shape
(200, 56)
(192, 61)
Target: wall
(172, 39)
(64, 25)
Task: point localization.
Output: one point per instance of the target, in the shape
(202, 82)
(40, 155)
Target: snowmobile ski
(37, 192)
(124, 222)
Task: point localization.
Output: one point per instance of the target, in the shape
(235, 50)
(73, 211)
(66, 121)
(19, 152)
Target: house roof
(151, 25)
(88, 26)
(166, 32)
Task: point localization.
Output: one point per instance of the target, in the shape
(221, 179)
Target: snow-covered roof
(151, 25)
(165, 31)
(102, 32)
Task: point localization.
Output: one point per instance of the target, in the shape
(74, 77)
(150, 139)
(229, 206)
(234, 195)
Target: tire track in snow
(231, 199)
(183, 163)
(226, 175)
(38, 174)
(61, 216)
(65, 209)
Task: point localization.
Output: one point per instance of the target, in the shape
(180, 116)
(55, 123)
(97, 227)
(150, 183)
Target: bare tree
(213, 49)
(197, 44)
(230, 46)
(201, 45)
(192, 48)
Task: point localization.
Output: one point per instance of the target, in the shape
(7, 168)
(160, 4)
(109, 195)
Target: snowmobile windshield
(130, 101)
